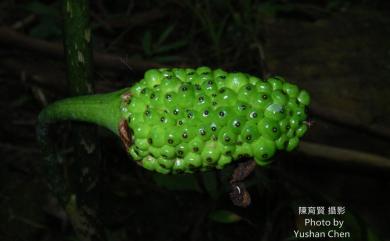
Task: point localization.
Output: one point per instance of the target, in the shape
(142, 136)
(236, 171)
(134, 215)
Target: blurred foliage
(224, 33)
(49, 25)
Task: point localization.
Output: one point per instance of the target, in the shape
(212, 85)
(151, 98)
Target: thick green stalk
(101, 109)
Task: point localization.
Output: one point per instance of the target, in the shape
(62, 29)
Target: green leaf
(210, 183)
(165, 34)
(147, 43)
(224, 216)
(171, 46)
(42, 9)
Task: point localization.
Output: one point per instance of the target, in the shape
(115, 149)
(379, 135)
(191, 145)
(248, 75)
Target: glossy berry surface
(187, 120)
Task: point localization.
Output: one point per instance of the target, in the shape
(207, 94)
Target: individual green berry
(180, 74)
(264, 88)
(243, 150)
(223, 161)
(203, 70)
(301, 130)
(193, 160)
(280, 143)
(245, 92)
(236, 123)
(249, 132)
(152, 77)
(254, 80)
(179, 166)
(292, 143)
(226, 97)
(263, 149)
(158, 136)
(168, 152)
(210, 153)
(226, 136)
(269, 129)
(276, 83)
(141, 131)
(290, 89)
(278, 97)
(219, 73)
(275, 112)
(141, 143)
(260, 101)
(196, 144)
(149, 163)
(295, 121)
(235, 81)
(304, 97)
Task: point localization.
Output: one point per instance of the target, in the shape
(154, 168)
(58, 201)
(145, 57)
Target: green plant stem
(77, 46)
(100, 109)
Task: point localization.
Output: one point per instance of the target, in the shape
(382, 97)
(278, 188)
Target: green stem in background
(75, 183)
(77, 46)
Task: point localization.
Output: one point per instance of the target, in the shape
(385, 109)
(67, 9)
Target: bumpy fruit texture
(186, 120)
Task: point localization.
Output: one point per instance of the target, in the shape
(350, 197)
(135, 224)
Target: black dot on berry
(210, 82)
(184, 135)
(222, 90)
(162, 119)
(242, 107)
(213, 128)
(169, 77)
(168, 96)
(274, 129)
(227, 139)
(150, 141)
(249, 137)
(228, 153)
(202, 132)
(288, 127)
(170, 141)
(214, 95)
(201, 99)
(180, 122)
(190, 115)
(206, 113)
(147, 113)
(264, 97)
(152, 96)
(191, 73)
(221, 114)
(214, 103)
(184, 88)
(237, 124)
(197, 87)
(180, 153)
(195, 149)
(248, 87)
(143, 91)
(209, 159)
(265, 155)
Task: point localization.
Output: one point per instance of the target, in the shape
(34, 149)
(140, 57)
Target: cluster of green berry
(184, 120)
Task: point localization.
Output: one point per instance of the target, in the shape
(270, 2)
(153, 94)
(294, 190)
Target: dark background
(338, 50)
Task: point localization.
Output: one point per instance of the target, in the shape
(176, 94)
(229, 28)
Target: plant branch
(344, 156)
(13, 38)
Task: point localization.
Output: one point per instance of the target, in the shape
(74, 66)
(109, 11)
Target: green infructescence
(186, 120)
